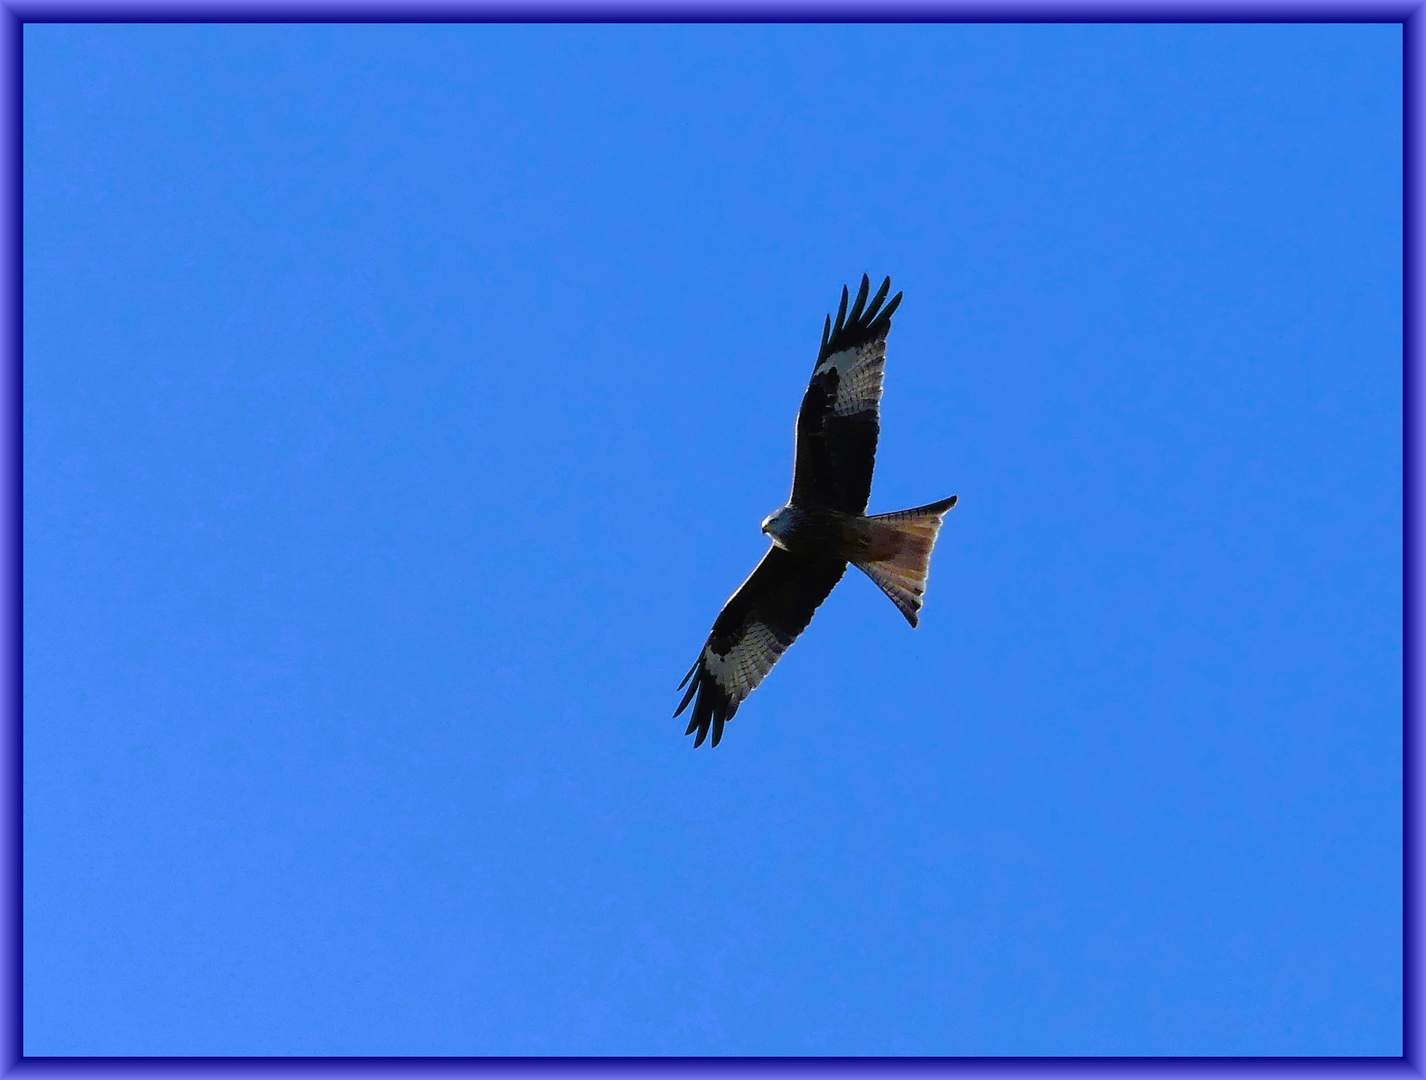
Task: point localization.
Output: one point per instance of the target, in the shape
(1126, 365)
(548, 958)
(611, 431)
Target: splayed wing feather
(856, 312)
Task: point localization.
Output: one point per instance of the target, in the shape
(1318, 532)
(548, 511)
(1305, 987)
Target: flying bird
(824, 524)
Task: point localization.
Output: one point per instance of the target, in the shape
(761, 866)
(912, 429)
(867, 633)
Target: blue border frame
(1410, 14)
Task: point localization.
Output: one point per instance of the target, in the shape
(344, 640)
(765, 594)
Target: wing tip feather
(864, 321)
(854, 316)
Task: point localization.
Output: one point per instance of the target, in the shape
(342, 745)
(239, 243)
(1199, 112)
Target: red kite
(823, 526)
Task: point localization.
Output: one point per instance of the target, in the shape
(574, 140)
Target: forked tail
(902, 575)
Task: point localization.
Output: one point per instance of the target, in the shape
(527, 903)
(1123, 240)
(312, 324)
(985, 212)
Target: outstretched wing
(840, 420)
(754, 628)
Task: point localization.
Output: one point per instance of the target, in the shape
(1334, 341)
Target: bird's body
(824, 525)
(815, 530)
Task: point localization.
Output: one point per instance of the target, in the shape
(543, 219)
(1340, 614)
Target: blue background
(401, 405)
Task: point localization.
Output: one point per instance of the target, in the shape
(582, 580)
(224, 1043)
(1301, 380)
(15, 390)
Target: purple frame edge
(1411, 14)
(534, 11)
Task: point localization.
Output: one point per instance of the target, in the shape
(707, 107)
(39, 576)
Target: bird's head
(778, 525)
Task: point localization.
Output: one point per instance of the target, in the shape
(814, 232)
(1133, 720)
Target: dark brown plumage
(823, 526)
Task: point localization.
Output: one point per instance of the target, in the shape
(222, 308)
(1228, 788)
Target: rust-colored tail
(902, 576)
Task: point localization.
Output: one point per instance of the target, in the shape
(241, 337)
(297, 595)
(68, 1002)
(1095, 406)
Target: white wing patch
(747, 662)
(860, 371)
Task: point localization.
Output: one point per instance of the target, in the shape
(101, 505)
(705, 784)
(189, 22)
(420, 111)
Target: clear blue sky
(401, 405)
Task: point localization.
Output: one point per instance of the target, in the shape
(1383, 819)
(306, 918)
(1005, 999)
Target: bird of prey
(824, 524)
